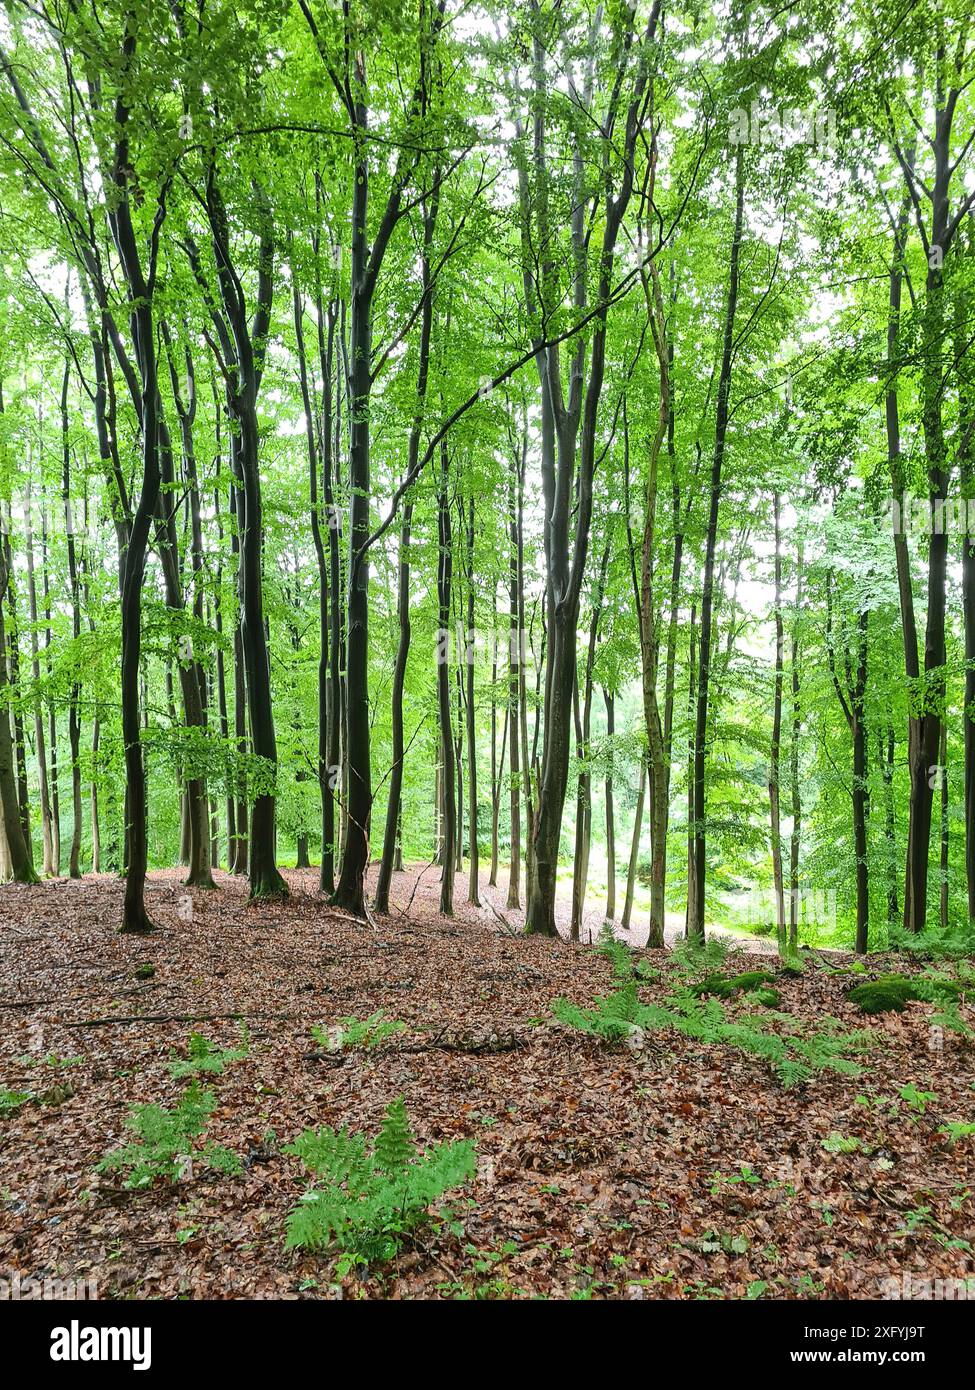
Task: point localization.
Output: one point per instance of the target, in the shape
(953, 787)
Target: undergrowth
(165, 1144)
(695, 1011)
(367, 1200)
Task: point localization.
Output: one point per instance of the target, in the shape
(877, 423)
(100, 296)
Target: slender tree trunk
(448, 779)
(583, 724)
(796, 836)
(240, 856)
(583, 838)
(326, 880)
(74, 724)
(39, 740)
(774, 754)
(52, 715)
(514, 692)
(692, 911)
(194, 806)
(699, 867)
(473, 894)
(459, 765)
(17, 865)
(610, 703)
(350, 891)
(495, 780)
(861, 799)
(944, 827)
(890, 825)
(13, 654)
(966, 459)
(96, 834)
(634, 850)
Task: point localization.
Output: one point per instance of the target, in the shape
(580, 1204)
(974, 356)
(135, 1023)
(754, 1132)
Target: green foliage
(358, 1032)
(366, 1202)
(691, 957)
(954, 942)
(13, 1100)
(619, 956)
(917, 1100)
(612, 1016)
(793, 1058)
(746, 1174)
(837, 1143)
(205, 1056)
(166, 1146)
(958, 1129)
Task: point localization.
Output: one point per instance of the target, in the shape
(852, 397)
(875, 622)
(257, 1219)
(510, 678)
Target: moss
(145, 971)
(887, 994)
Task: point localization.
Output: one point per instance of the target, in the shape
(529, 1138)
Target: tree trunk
(691, 909)
(39, 740)
(774, 758)
(944, 827)
(610, 811)
(695, 924)
(634, 850)
(796, 836)
(448, 779)
(473, 894)
(74, 726)
(18, 864)
(514, 693)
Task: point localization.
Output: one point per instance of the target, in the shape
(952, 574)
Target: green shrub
(165, 1146)
(366, 1202)
(205, 1056)
(357, 1032)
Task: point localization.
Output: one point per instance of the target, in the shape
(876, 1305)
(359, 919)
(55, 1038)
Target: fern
(358, 1032)
(951, 943)
(368, 1201)
(619, 957)
(205, 1056)
(794, 1059)
(690, 956)
(165, 1146)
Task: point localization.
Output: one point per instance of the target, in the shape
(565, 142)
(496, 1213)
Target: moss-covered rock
(887, 994)
(724, 986)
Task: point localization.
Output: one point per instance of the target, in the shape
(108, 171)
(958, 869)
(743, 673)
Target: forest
(487, 649)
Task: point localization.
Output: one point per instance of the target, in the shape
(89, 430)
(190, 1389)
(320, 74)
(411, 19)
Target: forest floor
(679, 1170)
